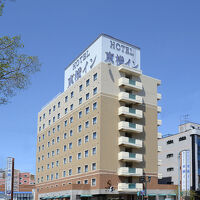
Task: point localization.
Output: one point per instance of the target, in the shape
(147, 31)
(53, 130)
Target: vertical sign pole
(12, 183)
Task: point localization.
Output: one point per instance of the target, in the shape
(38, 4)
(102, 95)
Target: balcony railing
(130, 70)
(127, 171)
(130, 84)
(130, 127)
(130, 142)
(159, 96)
(127, 156)
(130, 187)
(159, 109)
(159, 122)
(159, 135)
(130, 98)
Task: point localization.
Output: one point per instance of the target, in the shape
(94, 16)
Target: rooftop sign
(105, 49)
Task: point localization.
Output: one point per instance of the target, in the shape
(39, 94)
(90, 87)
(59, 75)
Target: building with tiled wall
(98, 137)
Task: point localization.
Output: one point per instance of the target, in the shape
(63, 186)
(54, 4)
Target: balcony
(130, 127)
(159, 135)
(159, 96)
(130, 112)
(159, 122)
(127, 156)
(127, 171)
(159, 148)
(130, 187)
(129, 142)
(159, 162)
(130, 84)
(159, 109)
(129, 70)
(159, 175)
(130, 98)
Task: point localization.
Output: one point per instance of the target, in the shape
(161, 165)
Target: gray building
(185, 145)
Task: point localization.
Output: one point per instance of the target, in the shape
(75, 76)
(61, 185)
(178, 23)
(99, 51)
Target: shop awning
(171, 194)
(151, 195)
(162, 194)
(86, 195)
(65, 196)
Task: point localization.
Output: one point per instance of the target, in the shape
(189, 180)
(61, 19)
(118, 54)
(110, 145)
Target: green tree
(15, 67)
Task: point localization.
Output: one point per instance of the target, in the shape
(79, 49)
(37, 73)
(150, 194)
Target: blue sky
(167, 32)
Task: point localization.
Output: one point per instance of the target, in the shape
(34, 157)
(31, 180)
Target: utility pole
(12, 184)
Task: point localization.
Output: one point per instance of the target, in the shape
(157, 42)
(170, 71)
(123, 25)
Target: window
(93, 166)
(94, 120)
(65, 136)
(70, 145)
(94, 135)
(71, 107)
(65, 110)
(80, 101)
(95, 106)
(41, 180)
(79, 156)
(182, 138)
(70, 158)
(39, 149)
(54, 119)
(85, 181)
(86, 153)
(65, 148)
(72, 94)
(80, 114)
(86, 168)
(52, 165)
(56, 175)
(87, 124)
(42, 147)
(47, 166)
(59, 104)
(70, 172)
(40, 119)
(170, 169)
(87, 82)
(40, 128)
(44, 116)
(54, 108)
(66, 98)
(58, 115)
(93, 182)
(170, 141)
(79, 170)
(78, 182)
(57, 163)
(52, 153)
(87, 96)
(64, 173)
(79, 128)
(49, 122)
(47, 177)
(51, 176)
(70, 133)
(57, 151)
(79, 142)
(94, 151)
(48, 144)
(170, 155)
(49, 133)
(49, 111)
(43, 126)
(58, 127)
(95, 91)
(65, 122)
(80, 88)
(86, 138)
(87, 110)
(42, 157)
(64, 160)
(95, 77)
(39, 139)
(71, 120)
(48, 155)
(53, 142)
(53, 130)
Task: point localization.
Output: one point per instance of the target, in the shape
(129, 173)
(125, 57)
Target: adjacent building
(185, 146)
(98, 137)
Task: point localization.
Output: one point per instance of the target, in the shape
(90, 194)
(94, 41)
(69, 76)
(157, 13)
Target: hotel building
(98, 137)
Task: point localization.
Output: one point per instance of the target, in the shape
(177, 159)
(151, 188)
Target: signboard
(185, 170)
(8, 182)
(105, 49)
